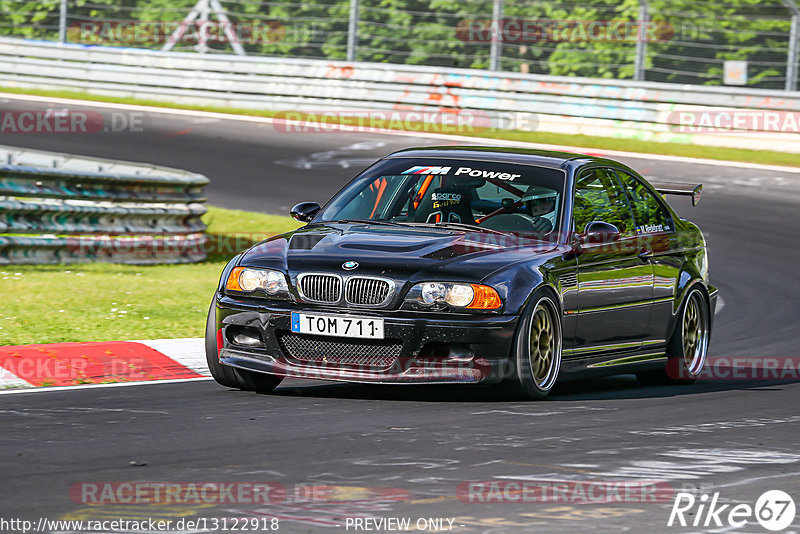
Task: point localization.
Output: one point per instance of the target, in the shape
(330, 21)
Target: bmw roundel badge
(349, 265)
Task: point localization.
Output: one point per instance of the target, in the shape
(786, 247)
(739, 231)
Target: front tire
(688, 347)
(537, 358)
(229, 376)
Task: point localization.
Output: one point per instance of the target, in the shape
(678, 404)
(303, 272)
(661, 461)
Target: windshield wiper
(367, 221)
(466, 226)
(454, 225)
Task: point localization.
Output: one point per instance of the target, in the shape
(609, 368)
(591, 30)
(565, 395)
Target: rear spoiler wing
(668, 188)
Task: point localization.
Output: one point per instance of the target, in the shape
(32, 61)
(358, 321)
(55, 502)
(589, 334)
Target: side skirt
(613, 364)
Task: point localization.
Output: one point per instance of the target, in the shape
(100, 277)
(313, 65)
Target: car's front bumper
(418, 347)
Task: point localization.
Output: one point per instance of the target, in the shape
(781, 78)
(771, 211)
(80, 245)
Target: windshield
(512, 198)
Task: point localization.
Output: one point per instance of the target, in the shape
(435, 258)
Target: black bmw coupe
(472, 265)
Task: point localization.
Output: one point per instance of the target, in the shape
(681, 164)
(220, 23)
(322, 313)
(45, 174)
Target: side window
(599, 197)
(650, 214)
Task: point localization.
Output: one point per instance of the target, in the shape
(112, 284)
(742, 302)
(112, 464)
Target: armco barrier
(56, 208)
(611, 108)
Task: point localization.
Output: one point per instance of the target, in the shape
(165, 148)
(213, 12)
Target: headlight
(445, 295)
(460, 295)
(433, 292)
(248, 280)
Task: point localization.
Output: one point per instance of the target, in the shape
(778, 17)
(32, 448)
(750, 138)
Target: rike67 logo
(774, 510)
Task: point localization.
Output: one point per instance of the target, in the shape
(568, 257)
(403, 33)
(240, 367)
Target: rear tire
(229, 376)
(688, 347)
(537, 349)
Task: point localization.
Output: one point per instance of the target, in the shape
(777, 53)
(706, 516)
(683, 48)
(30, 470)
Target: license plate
(331, 325)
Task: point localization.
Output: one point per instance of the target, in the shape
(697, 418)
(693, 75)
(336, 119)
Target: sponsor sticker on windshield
(478, 173)
(421, 169)
(441, 200)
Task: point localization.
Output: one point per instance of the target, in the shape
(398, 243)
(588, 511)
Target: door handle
(645, 255)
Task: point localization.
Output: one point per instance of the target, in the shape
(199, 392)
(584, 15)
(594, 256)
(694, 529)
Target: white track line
(96, 386)
(10, 380)
(348, 129)
(189, 352)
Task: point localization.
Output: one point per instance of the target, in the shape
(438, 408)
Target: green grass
(105, 302)
(651, 147)
(630, 144)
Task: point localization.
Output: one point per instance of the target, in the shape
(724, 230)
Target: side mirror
(304, 212)
(600, 231)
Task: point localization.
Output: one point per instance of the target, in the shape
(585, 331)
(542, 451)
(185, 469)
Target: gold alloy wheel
(695, 334)
(544, 345)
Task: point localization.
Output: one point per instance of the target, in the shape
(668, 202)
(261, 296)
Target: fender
(693, 271)
(529, 275)
(517, 292)
(545, 288)
(680, 297)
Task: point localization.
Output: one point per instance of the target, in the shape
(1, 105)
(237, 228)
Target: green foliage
(707, 33)
(691, 39)
(36, 19)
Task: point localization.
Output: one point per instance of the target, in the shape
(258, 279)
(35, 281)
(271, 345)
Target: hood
(404, 254)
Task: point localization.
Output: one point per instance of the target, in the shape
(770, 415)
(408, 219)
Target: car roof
(527, 156)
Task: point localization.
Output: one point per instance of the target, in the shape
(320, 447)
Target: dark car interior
(491, 204)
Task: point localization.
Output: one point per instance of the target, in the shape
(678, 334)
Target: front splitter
(407, 373)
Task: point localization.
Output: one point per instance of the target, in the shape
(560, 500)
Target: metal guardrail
(642, 110)
(262, 77)
(70, 217)
(133, 250)
(26, 181)
(97, 210)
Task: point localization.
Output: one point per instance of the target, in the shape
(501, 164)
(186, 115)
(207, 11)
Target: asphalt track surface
(735, 437)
